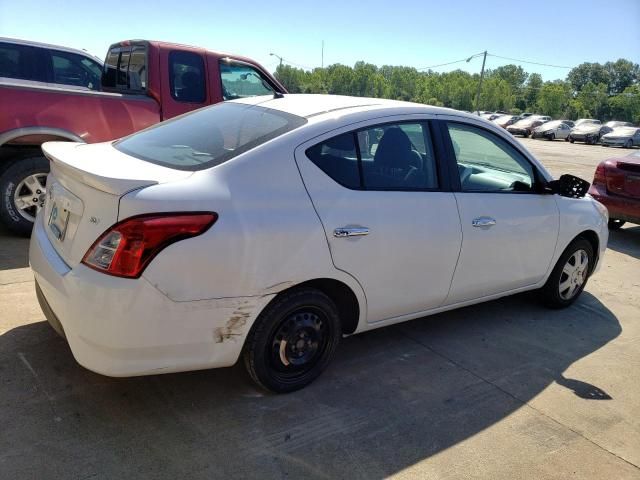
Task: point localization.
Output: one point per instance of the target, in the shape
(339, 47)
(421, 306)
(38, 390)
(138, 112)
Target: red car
(616, 184)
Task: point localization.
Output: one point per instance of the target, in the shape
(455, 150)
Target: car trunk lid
(84, 190)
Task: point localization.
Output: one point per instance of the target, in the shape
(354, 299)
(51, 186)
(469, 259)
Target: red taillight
(127, 247)
(600, 176)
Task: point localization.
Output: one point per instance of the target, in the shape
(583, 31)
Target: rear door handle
(483, 222)
(350, 232)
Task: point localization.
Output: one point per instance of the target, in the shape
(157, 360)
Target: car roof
(317, 105)
(30, 43)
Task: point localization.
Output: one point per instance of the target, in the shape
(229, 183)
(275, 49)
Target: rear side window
(72, 69)
(187, 77)
(392, 156)
(23, 62)
(125, 69)
(208, 137)
(240, 80)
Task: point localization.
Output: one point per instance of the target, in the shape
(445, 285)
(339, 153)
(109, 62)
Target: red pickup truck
(142, 83)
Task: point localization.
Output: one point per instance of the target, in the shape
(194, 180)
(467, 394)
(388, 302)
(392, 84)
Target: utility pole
(484, 59)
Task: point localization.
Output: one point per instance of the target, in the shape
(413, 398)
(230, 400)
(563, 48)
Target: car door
(509, 229)
(388, 216)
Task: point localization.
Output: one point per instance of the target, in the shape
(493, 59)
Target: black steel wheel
(293, 340)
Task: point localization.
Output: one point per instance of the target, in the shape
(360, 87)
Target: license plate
(58, 221)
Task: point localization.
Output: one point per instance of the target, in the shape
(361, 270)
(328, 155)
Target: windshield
(208, 137)
(624, 131)
(552, 124)
(584, 121)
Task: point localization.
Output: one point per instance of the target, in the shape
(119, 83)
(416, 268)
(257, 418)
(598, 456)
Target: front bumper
(620, 208)
(614, 141)
(584, 137)
(518, 131)
(123, 327)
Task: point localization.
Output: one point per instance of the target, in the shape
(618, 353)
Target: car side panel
(267, 238)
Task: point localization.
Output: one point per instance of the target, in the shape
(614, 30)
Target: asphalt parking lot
(507, 389)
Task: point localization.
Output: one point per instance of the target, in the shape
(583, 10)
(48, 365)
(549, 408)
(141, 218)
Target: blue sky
(393, 32)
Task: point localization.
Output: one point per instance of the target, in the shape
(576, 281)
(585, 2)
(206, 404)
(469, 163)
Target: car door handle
(483, 222)
(350, 232)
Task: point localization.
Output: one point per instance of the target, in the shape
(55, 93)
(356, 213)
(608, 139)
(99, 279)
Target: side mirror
(568, 186)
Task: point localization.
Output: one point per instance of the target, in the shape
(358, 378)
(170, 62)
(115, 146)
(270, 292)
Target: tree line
(590, 90)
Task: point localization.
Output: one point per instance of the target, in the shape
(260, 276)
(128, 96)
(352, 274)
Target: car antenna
(278, 95)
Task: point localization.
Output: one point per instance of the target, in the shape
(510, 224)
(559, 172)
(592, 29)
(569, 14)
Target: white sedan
(268, 228)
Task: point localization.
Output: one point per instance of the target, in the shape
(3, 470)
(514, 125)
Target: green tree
(594, 99)
(534, 84)
(626, 105)
(553, 98)
(584, 73)
(622, 74)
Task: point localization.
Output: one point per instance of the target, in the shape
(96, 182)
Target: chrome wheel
(574, 274)
(29, 195)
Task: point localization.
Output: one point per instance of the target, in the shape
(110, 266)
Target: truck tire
(22, 190)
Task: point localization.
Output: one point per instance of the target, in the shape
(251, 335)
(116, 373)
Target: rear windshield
(208, 137)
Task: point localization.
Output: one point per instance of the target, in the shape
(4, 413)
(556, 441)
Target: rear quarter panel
(267, 238)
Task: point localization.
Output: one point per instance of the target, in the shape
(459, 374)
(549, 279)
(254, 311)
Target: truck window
(23, 62)
(125, 69)
(240, 80)
(72, 69)
(187, 77)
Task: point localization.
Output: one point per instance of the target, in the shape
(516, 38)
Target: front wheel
(552, 137)
(628, 144)
(571, 139)
(293, 340)
(615, 224)
(23, 187)
(569, 277)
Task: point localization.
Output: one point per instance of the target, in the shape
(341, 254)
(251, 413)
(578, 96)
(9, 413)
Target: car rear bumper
(620, 208)
(123, 327)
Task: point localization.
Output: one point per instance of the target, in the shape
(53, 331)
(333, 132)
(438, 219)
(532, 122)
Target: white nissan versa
(269, 227)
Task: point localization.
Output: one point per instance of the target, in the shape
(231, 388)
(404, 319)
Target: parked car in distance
(552, 130)
(616, 123)
(525, 126)
(142, 83)
(581, 121)
(505, 120)
(48, 64)
(626, 137)
(571, 123)
(588, 131)
(158, 252)
(616, 185)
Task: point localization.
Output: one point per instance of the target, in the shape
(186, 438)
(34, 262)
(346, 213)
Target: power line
(442, 64)
(527, 61)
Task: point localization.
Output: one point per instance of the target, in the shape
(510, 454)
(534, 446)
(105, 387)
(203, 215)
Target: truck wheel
(23, 189)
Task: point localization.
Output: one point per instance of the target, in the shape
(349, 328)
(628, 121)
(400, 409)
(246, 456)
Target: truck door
(185, 85)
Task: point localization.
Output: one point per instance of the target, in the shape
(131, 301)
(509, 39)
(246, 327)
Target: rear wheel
(23, 187)
(569, 276)
(552, 137)
(628, 144)
(293, 340)
(571, 139)
(615, 224)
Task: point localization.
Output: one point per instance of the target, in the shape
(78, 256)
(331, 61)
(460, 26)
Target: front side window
(240, 80)
(487, 163)
(395, 156)
(209, 136)
(187, 77)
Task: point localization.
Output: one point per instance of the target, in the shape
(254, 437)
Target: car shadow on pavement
(626, 240)
(393, 397)
(14, 250)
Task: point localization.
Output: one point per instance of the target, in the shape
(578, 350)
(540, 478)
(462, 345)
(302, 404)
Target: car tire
(24, 177)
(552, 137)
(569, 276)
(566, 139)
(628, 144)
(293, 340)
(615, 224)
(571, 139)
(525, 134)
